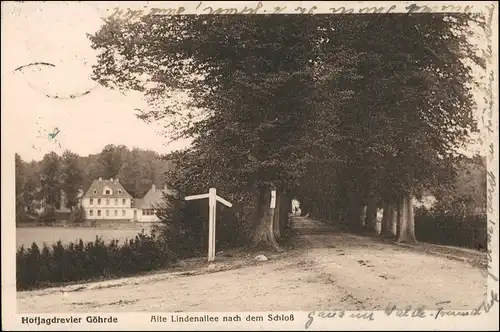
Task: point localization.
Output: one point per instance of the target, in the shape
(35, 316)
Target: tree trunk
(401, 229)
(320, 211)
(411, 220)
(286, 209)
(362, 216)
(371, 215)
(277, 212)
(264, 232)
(358, 217)
(393, 218)
(406, 222)
(386, 226)
(312, 210)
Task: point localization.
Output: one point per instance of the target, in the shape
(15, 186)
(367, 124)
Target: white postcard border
(11, 320)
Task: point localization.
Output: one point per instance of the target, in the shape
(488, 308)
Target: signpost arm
(190, 198)
(223, 201)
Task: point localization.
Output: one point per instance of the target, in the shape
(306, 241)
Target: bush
(48, 216)
(77, 215)
(78, 261)
(185, 227)
(468, 231)
(23, 217)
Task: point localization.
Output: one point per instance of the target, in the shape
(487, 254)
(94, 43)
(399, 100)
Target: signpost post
(212, 203)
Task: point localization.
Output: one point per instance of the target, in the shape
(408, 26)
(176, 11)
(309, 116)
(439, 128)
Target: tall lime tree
(306, 104)
(51, 180)
(405, 108)
(251, 79)
(72, 178)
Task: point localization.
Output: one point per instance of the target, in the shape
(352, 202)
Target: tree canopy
(338, 110)
(136, 169)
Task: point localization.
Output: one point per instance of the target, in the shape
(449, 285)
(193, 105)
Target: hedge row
(469, 231)
(78, 261)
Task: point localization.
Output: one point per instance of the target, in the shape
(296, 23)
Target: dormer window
(119, 192)
(107, 191)
(95, 191)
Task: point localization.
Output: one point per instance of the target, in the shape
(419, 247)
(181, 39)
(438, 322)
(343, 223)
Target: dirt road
(325, 270)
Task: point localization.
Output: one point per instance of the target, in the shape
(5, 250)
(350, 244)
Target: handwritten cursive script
(409, 311)
(487, 119)
(258, 7)
(338, 314)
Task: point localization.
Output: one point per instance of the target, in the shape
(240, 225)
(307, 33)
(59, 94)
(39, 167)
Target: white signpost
(212, 202)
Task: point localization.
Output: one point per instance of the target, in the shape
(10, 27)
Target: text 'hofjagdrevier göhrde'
(37, 320)
(215, 319)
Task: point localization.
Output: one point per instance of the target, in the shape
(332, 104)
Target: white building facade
(153, 203)
(107, 199)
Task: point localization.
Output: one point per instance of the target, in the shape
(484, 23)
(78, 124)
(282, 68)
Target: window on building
(123, 212)
(119, 192)
(107, 213)
(91, 201)
(116, 201)
(107, 201)
(91, 213)
(148, 212)
(98, 201)
(95, 191)
(124, 201)
(108, 192)
(98, 213)
(116, 213)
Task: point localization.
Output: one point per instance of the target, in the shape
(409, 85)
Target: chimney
(153, 188)
(165, 188)
(100, 179)
(111, 179)
(116, 180)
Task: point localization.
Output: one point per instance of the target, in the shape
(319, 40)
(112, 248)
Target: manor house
(108, 200)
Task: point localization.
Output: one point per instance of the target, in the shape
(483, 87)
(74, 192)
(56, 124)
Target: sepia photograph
(191, 159)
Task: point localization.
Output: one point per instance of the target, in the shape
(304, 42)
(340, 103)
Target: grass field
(27, 235)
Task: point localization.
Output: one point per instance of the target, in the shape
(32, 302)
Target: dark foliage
(185, 227)
(77, 215)
(81, 261)
(469, 231)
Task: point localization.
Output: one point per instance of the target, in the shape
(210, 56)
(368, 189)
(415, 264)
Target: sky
(55, 32)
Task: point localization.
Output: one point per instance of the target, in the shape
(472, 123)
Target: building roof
(154, 198)
(99, 185)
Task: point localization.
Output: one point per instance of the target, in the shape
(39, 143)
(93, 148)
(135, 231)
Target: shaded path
(326, 270)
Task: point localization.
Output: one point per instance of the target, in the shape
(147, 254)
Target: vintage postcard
(250, 165)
